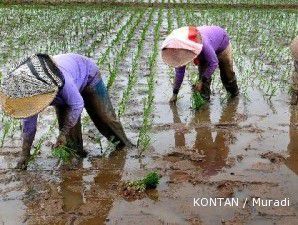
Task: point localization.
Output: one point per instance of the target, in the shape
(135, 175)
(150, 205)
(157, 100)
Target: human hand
(61, 140)
(173, 98)
(197, 87)
(25, 156)
(23, 163)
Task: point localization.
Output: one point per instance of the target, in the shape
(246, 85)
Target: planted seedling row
(144, 133)
(133, 75)
(120, 55)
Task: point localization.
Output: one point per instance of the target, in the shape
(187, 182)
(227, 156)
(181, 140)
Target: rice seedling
(261, 55)
(132, 79)
(121, 54)
(6, 126)
(197, 100)
(64, 154)
(117, 39)
(144, 137)
(150, 181)
(111, 146)
(43, 138)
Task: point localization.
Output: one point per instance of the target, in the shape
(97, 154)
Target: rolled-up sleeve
(179, 76)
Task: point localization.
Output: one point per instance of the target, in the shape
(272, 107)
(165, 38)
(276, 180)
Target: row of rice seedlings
(180, 19)
(9, 124)
(114, 69)
(31, 34)
(83, 32)
(132, 77)
(8, 128)
(104, 33)
(170, 20)
(62, 22)
(118, 38)
(261, 54)
(76, 43)
(37, 147)
(144, 136)
(249, 2)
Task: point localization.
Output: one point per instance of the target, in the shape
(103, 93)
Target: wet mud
(236, 148)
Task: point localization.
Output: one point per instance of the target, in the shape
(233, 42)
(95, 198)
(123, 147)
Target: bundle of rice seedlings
(197, 101)
(64, 153)
(148, 182)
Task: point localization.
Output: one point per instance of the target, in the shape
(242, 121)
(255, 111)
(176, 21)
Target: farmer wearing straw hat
(208, 47)
(294, 49)
(69, 82)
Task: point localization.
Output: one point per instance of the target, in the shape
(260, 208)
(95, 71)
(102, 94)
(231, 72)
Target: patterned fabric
(184, 38)
(36, 75)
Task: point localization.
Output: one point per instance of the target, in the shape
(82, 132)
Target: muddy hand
(61, 140)
(197, 87)
(25, 158)
(22, 164)
(174, 98)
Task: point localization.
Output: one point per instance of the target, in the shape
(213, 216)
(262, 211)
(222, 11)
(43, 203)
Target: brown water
(215, 152)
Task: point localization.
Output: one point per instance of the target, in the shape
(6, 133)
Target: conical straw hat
(182, 46)
(177, 57)
(30, 87)
(25, 107)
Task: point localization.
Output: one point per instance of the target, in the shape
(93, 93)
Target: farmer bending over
(294, 49)
(206, 46)
(69, 82)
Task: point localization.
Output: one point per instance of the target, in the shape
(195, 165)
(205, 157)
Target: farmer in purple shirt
(208, 47)
(69, 82)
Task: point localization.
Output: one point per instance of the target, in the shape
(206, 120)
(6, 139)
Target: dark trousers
(227, 74)
(99, 107)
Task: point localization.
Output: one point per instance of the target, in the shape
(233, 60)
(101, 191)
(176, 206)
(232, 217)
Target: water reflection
(215, 149)
(72, 189)
(82, 196)
(292, 160)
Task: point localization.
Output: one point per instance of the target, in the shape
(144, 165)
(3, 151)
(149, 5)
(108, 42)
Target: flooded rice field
(243, 148)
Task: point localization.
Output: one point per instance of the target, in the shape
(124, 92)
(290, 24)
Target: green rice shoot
(64, 154)
(150, 181)
(197, 100)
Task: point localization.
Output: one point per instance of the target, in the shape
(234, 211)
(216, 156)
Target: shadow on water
(215, 149)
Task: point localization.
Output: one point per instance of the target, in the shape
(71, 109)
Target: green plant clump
(197, 100)
(64, 153)
(149, 182)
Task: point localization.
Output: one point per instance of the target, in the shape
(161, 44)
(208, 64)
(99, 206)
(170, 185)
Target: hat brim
(20, 108)
(177, 57)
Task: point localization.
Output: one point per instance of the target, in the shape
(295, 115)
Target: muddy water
(232, 148)
(63, 196)
(235, 148)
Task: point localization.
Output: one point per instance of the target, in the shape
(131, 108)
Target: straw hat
(182, 46)
(30, 87)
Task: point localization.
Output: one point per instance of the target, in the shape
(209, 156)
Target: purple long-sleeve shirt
(215, 39)
(78, 72)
